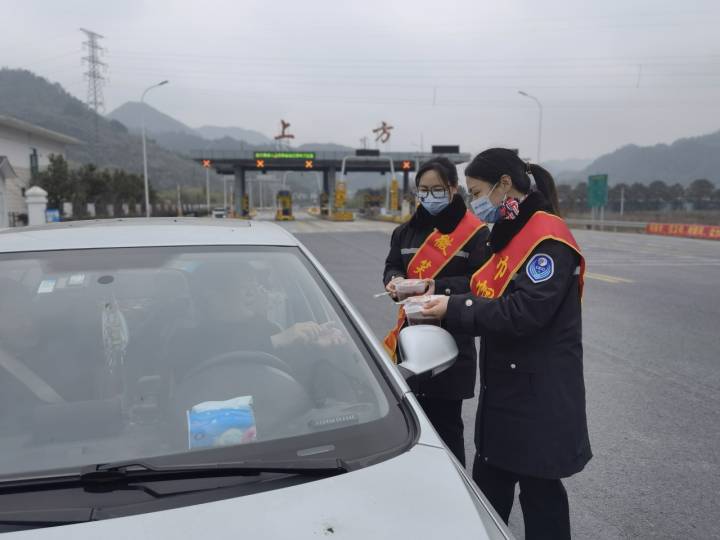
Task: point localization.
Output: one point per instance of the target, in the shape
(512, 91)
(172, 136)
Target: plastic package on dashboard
(221, 423)
(410, 287)
(413, 310)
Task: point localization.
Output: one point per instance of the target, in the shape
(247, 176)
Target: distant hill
(683, 161)
(28, 97)
(185, 143)
(239, 134)
(161, 125)
(326, 147)
(561, 167)
(131, 115)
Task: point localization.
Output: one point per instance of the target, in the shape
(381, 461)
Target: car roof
(143, 232)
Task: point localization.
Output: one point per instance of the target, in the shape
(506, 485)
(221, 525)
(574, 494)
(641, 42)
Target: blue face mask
(484, 209)
(435, 205)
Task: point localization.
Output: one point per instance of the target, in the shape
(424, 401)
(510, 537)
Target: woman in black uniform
(441, 243)
(531, 426)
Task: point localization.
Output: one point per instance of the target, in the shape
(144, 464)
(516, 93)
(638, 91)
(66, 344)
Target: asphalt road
(652, 369)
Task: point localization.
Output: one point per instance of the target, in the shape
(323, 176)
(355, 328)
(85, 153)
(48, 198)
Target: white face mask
(435, 205)
(484, 209)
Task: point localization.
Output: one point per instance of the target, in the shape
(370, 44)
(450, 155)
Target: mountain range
(29, 97)
(131, 114)
(683, 161)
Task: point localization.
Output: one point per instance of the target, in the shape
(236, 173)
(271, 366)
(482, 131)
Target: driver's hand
(299, 333)
(331, 335)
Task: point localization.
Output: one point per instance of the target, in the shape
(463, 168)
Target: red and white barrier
(710, 232)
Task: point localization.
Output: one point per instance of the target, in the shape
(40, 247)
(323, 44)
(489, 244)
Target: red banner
(711, 232)
(491, 280)
(430, 259)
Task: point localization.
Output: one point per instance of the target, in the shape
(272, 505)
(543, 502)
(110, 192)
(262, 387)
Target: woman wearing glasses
(443, 243)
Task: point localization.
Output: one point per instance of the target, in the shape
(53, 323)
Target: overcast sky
(608, 73)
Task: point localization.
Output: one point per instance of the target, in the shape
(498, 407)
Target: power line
(95, 78)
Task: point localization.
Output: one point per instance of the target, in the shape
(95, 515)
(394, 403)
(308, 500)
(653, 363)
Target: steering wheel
(246, 357)
(278, 397)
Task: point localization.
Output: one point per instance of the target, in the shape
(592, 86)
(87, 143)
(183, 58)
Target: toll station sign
(285, 155)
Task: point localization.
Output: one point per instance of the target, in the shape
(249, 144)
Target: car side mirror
(426, 350)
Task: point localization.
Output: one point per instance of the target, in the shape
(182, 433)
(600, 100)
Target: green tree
(699, 192)
(57, 180)
(676, 194)
(615, 196)
(636, 197)
(565, 197)
(716, 199)
(127, 189)
(658, 195)
(579, 196)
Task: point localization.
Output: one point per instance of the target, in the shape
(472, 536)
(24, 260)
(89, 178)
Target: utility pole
(179, 202)
(540, 121)
(622, 200)
(95, 78)
(144, 146)
(225, 196)
(207, 188)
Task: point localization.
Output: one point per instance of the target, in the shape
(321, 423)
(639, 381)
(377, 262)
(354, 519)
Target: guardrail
(682, 230)
(606, 224)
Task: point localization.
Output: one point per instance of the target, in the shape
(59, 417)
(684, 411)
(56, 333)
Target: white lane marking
(652, 263)
(607, 279)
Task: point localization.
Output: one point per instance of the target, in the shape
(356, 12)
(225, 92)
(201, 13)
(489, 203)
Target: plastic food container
(413, 311)
(410, 287)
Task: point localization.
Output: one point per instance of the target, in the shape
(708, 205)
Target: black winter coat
(531, 412)
(458, 382)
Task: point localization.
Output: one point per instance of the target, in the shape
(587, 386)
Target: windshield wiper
(111, 476)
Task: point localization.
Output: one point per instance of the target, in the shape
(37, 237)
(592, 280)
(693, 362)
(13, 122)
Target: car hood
(419, 494)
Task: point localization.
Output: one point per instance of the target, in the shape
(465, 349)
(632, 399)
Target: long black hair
(492, 164)
(441, 165)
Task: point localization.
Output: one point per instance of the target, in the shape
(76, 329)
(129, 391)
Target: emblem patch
(540, 268)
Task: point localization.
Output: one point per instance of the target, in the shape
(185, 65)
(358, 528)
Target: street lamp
(145, 175)
(536, 100)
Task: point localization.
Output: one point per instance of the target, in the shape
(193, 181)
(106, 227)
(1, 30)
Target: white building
(24, 147)
(6, 174)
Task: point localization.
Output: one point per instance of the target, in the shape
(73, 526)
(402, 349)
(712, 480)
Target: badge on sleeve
(540, 268)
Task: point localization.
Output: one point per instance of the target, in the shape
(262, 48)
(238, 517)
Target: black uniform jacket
(458, 382)
(531, 413)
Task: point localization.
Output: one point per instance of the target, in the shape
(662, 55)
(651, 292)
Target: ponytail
(546, 185)
(492, 164)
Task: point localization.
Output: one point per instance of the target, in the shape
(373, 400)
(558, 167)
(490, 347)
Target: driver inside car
(231, 314)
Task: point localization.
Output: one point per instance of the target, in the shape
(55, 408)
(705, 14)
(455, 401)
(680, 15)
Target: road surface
(652, 368)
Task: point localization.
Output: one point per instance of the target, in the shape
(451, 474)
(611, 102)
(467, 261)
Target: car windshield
(123, 354)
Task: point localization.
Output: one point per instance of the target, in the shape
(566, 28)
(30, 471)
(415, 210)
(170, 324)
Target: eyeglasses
(437, 192)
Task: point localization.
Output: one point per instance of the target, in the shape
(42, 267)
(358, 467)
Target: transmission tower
(94, 75)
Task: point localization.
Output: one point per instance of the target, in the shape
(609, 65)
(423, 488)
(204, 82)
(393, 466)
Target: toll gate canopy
(237, 163)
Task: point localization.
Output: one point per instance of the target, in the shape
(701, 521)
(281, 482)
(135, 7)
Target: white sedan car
(205, 379)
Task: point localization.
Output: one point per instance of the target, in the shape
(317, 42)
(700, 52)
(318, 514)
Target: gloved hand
(436, 308)
(391, 286)
(430, 286)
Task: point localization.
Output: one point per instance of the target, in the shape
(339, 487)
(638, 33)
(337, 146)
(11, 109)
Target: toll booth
(398, 203)
(372, 204)
(284, 210)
